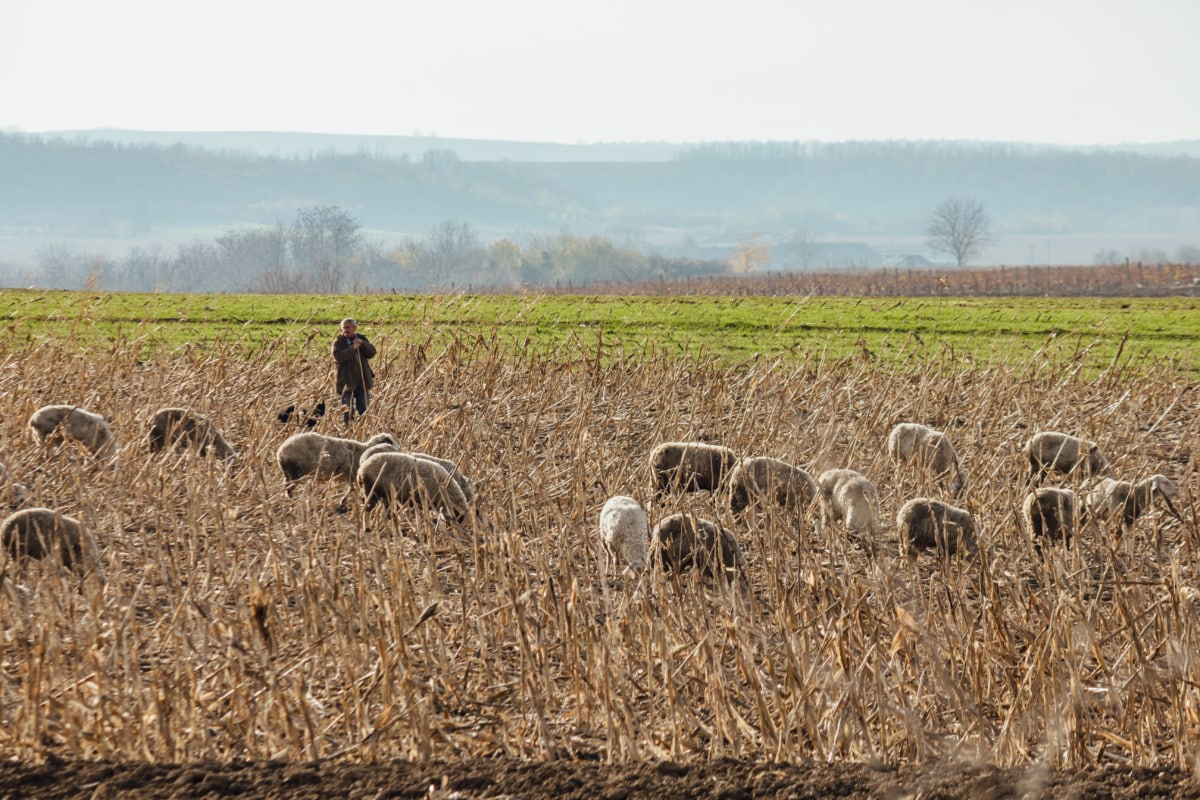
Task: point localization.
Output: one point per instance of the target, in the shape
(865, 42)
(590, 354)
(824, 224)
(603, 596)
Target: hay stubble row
(237, 622)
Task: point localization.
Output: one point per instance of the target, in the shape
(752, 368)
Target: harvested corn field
(237, 624)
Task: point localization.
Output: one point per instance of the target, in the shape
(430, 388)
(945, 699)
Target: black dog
(310, 418)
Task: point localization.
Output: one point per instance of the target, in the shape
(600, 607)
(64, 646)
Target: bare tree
(324, 239)
(250, 250)
(1188, 254)
(452, 250)
(959, 227)
(57, 262)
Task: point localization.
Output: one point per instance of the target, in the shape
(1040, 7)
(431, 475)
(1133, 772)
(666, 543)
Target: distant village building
(913, 261)
(824, 255)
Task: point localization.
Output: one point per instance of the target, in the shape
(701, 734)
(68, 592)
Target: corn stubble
(236, 622)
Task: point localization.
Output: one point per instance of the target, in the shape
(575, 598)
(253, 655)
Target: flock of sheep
(846, 497)
(385, 473)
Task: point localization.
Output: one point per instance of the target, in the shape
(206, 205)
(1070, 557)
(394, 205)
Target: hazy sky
(1066, 71)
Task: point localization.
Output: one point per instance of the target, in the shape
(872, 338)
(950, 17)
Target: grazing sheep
(925, 523)
(404, 478)
(456, 474)
(848, 495)
(1131, 499)
(1050, 513)
(325, 456)
(930, 448)
(389, 446)
(181, 427)
(762, 477)
(41, 532)
(311, 418)
(1053, 451)
(379, 443)
(625, 532)
(90, 430)
(689, 466)
(683, 541)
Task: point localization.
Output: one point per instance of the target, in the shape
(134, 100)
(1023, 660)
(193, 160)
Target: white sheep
(464, 483)
(401, 478)
(931, 449)
(1053, 451)
(625, 532)
(1111, 496)
(689, 466)
(684, 541)
(89, 429)
(182, 427)
(759, 478)
(1050, 513)
(325, 456)
(389, 446)
(848, 496)
(41, 532)
(925, 523)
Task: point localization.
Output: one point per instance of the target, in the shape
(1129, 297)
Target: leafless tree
(250, 250)
(959, 227)
(324, 239)
(1188, 254)
(57, 263)
(452, 250)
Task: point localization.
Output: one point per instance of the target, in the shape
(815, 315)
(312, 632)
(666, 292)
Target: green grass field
(947, 332)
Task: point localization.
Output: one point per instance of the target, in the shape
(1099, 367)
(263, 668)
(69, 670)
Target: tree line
(324, 250)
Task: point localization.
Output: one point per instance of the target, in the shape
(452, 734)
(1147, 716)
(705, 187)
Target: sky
(1047, 71)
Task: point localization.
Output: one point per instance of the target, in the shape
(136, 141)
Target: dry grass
(239, 623)
(1115, 280)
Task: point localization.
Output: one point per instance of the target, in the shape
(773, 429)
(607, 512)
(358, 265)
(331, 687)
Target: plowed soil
(564, 780)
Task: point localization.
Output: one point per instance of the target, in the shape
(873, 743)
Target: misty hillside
(58, 187)
(305, 145)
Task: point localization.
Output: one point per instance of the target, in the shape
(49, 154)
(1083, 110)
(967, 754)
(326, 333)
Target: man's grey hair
(348, 321)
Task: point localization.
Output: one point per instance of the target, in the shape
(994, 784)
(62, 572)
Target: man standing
(351, 350)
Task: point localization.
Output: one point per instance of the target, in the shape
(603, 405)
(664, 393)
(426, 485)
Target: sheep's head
(1163, 485)
(1097, 464)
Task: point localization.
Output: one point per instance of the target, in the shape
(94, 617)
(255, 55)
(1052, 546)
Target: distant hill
(695, 200)
(308, 145)
(290, 144)
(1184, 147)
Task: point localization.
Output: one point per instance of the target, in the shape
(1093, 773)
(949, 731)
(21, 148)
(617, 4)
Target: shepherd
(351, 352)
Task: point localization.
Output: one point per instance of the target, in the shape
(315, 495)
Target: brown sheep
(1051, 513)
(1051, 451)
(689, 467)
(41, 532)
(928, 524)
(181, 427)
(762, 477)
(684, 541)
